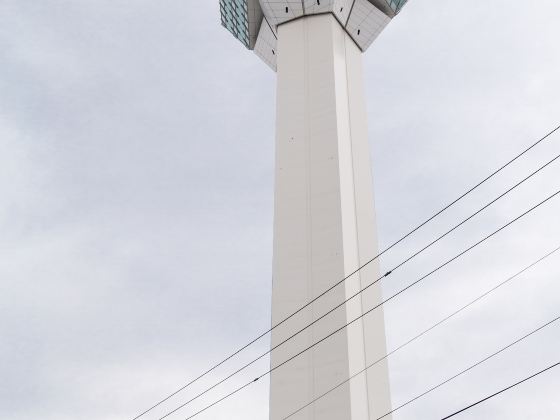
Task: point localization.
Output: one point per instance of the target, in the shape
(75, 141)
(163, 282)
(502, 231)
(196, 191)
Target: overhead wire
(426, 331)
(415, 398)
(316, 320)
(480, 362)
(528, 378)
(442, 210)
(372, 309)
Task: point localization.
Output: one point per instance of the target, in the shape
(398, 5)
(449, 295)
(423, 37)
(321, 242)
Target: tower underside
(255, 22)
(324, 228)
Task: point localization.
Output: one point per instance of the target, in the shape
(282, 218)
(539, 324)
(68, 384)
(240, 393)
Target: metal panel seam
(356, 217)
(349, 14)
(321, 14)
(310, 291)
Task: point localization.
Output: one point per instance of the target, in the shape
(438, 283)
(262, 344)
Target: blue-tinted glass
(397, 5)
(235, 18)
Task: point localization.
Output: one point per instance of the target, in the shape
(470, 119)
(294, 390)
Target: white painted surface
(362, 20)
(266, 45)
(324, 227)
(280, 11)
(366, 22)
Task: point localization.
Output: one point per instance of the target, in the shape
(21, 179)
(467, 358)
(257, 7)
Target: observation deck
(255, 22)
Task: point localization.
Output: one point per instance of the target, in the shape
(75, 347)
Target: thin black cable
(316, 320)
(503, 390)
(414, 399)
(349, 275)
(471, 367)
(377, 306)
(426, 331)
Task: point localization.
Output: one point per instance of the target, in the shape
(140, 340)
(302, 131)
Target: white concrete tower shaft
(324, 228)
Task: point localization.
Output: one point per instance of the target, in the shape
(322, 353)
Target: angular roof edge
(254, 22)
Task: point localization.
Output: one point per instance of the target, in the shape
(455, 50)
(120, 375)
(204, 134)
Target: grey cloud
(136, 214)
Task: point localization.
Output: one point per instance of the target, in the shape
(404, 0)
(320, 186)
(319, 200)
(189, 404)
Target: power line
(360, 291)
(370, 310)
(471, 367)
(423, 333)
(503, 390)
(417, 397)
(235, 353)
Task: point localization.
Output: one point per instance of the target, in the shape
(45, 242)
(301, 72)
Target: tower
(324, 218)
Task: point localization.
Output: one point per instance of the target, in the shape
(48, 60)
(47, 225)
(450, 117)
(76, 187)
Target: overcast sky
(136, 192)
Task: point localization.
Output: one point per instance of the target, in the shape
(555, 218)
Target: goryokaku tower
(324, 217)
